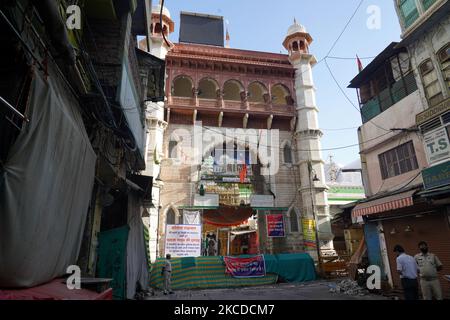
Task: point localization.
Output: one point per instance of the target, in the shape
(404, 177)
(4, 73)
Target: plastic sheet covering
(45, 188)
(137, 267)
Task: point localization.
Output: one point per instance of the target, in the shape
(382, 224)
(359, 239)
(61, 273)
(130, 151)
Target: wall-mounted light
(393, 231)
(408, 229)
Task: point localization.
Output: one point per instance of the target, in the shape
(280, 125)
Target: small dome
(157, 9)
(296, 28)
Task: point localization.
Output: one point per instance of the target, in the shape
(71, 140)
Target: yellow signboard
(309, 233)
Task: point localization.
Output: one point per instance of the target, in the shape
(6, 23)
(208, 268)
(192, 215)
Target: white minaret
(155, 123)
(307, 135)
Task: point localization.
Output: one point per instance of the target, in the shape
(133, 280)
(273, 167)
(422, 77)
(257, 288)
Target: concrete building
(404, 142)
(237, 140)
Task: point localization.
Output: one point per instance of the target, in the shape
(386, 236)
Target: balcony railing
(227, 105)
(388, 97)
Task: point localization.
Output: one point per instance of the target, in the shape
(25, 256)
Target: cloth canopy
(226, 216)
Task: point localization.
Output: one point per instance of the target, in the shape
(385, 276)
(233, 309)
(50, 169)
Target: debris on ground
(348, 287)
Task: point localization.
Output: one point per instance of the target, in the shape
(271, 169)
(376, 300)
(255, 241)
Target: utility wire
(349, 100)
(327, 149)
(345, 28)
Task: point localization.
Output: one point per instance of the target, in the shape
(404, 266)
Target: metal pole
(319, 261)
(6, 103)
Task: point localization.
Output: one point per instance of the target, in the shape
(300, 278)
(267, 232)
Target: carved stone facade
(254, 101)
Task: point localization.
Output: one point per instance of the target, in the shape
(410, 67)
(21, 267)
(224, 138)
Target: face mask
(424, 250)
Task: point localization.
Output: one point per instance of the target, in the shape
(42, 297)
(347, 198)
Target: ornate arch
(174, 209)
(293, 217)
(258, 92)
(230, 93)
(181, 87)
(207, 88)
(281, 95)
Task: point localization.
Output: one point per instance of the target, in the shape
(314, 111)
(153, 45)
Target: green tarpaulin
(112, 259)
(209, 272)
(297, 267)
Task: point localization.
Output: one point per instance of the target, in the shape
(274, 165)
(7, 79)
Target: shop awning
(435, 192)
(226, 216)
(393, 202)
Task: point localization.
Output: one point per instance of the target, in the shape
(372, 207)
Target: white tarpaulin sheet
(45, 188)
(137, 266)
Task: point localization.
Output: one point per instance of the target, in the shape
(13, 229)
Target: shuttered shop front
(408, 231)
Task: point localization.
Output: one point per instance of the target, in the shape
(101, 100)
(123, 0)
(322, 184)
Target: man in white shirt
(429, 266)
(407, 269)
(166, 272)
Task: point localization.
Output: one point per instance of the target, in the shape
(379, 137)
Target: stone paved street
(316, 290)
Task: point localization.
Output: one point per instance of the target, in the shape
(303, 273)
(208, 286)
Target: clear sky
(261, 25)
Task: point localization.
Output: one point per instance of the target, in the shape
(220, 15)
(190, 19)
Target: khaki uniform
(429, 278)
(167, 273)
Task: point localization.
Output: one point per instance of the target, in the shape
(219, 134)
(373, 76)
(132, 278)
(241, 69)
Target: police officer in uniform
(429, 265)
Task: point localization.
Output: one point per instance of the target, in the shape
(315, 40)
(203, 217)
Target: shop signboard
(207, 200)
(436, 145)
(275, 225)
(251, 267)
(436, 176)
(183, 240)
(261, 201)
(309, 233)
(191, 217)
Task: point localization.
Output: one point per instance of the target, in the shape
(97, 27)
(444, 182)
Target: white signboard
(191, 217)
(208, 200)
(262, 201)
(183, 240)
(437, 145)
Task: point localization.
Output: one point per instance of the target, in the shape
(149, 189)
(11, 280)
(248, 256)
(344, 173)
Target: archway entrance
(233, 177)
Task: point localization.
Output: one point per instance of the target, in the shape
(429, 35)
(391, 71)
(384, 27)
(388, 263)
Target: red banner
(275, 225)
(245, 267)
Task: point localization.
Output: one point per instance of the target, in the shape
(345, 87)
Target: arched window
(170, 216)
(295, 46)
(256, 92)
(444, 59)
(158, 28)
(302, 46)
(293, 221)
(409, 12)
(182, 87)
(173, 154)
(207, 89)
(165, 29)
(232, 90)
(287, 154)
(430, 82)
(280, 94)
(427, 4)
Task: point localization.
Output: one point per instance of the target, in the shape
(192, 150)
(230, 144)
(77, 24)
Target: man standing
(429, 265)
(167, 273)
(407, 269)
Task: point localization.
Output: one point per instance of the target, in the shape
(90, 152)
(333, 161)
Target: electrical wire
(303, 150)
(350, 101)
(161, 23)
(345, 28)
